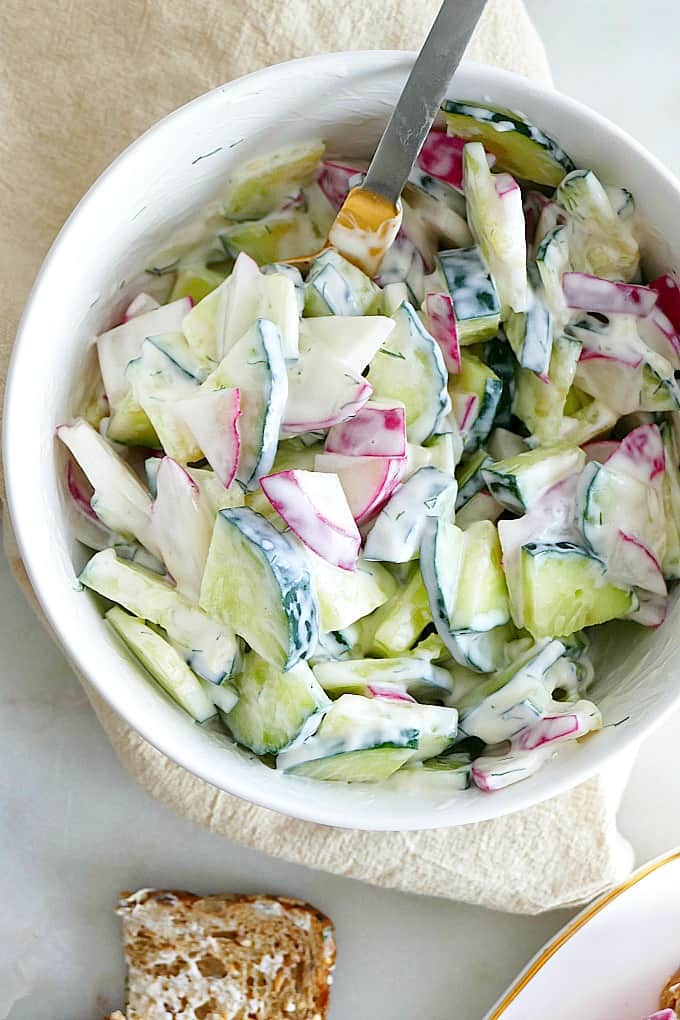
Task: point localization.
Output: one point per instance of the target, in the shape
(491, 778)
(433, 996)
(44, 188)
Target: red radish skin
(368, 482)
(213, 419)
(548, 730)
(389, 693)
(505, 184)
(465, 409)
(441, 320)
(668, 290)
(374, 431)
(333, 179)
(629, 359)
(661, 334)
(335, 538)
(362, 395)
(442, 158)
(139, 305)
(80, 489)
(592, 294)
(641, 454)
(534, 204)
(644, 565)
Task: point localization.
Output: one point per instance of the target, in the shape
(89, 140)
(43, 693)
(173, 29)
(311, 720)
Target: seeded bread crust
(225, 957)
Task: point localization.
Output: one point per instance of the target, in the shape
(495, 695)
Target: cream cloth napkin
(78, 82)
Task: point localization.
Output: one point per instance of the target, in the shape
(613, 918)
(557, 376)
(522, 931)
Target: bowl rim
(274, 797)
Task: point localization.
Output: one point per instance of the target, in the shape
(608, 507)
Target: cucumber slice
(351, 340)
(196, 283)
(182, 522)
(251, 564)
(470, 478)
(518, 482)
(129, 425)
(396, 533)
(446, 774)
(611, 505)
(277, 237)
(519, 146)
(590, 422)
(498, 356)
(252, 295)
(274, 709)
(423, 681)
(552, 261)
(475, 299)
(493, 772)
(213, 651)
(600, 242)
(467, 591)
(343, 596)
(496, 218)
(480, 507)
(530, 335)
(512, 698)
(119, 346)
(480, 381)
(200, 324)
(255, 366)
(120, 500)
(503, 444)
(398, 623)
(565, 588)
(335, 646)
(540, 403)
(355, 723)
(259, 186)
(410, 368)
(482, 651)
(443, 452)
(336, 287)
(370, 765)
(295, 277)
(158, 384)
(163, 663)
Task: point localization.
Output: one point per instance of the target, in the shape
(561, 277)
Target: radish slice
(121, 345)
(368, 482)
(582, 717)
(641, 455)
(652, 609)
(592, 294)
(182, 523)
(659, 333)
(80, 490)
(601, 450)
(321, 394)
(626, 358)
(442, 158)
(534, 204)
(140, 305)
(465, 407)
(505, 184)
(212, 418)
(334, 180)
(668, 290)
(314, 506)
(442, 325)
(632, 562)
(377, 430)
(491, 772)
(389, 693)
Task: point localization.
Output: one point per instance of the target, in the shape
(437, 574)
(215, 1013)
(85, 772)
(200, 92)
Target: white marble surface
(75, 830)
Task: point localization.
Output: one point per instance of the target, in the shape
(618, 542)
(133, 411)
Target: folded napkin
(81, 81)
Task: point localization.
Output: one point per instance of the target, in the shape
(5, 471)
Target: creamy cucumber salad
(370, 525)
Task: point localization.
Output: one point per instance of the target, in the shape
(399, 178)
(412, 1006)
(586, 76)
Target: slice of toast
(225, 957)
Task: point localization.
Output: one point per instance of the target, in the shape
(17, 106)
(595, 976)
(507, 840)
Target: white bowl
(609, 962)
(153, 186)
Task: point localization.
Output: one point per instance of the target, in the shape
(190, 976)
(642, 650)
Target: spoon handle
(421, 97)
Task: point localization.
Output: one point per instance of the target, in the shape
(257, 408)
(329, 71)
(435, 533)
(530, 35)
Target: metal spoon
(370, 216)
